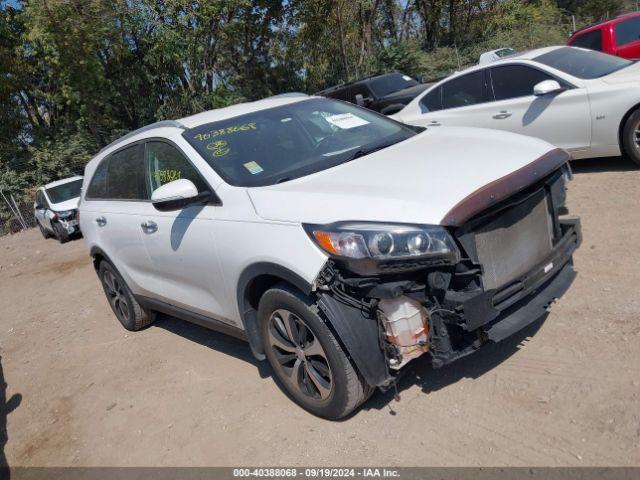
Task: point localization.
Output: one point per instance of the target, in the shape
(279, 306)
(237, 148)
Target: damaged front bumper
(469, 319)
(516, 259)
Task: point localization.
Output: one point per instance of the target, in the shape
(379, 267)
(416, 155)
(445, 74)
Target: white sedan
(584, 101)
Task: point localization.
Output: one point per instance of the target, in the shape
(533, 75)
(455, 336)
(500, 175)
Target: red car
(619, 36)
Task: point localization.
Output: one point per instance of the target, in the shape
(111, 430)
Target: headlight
(384, 242)
(65, 214)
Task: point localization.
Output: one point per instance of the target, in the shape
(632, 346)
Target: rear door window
(513, 81)
(464, 91)
(125, 175)
(591, 40)
(628, 31)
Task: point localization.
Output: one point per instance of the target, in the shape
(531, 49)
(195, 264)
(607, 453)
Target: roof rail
(163, 123)
(288, 94)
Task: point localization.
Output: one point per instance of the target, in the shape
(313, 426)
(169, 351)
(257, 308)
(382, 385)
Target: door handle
(433, 123)
(149, 226)
(101, 221)
(502, 115)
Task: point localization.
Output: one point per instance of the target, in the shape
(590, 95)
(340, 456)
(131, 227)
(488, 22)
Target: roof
(353, 82)
(612, 21)
(529, 55)
(241, 109)
(214, 115)
(63, 181)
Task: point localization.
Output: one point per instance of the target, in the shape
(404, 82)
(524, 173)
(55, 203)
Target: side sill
(191, 317)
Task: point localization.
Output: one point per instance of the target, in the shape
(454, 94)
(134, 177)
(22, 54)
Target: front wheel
(43, 231)
(61, 234)
(307, 360)
(127, 310)
(631, 137)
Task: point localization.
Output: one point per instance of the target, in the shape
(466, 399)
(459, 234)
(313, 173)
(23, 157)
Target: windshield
(585, 64)
(64, 192)
(393, 82)
(282, 143)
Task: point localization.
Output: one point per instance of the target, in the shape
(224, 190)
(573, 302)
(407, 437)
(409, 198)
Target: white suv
(341, 244)
(56, 208)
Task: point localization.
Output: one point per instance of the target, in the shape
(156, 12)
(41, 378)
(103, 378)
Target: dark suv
(387, 93)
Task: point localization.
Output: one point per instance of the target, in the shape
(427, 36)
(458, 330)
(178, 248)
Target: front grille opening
(511, 244)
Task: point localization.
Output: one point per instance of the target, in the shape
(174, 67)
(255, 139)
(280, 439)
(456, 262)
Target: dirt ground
(563, 392)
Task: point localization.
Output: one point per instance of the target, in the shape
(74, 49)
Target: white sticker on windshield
(346, 120)
(253, 167)
(407, 78)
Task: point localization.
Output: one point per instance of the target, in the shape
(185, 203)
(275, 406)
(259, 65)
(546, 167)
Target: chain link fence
(16, 214)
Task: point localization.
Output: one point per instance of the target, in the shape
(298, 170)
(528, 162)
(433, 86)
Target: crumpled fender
(358, 333)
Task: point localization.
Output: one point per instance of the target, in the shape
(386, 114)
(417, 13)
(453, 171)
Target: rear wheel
(307, 360)
(128, 311)
(631, 137)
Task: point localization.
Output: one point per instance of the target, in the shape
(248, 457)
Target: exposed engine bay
(515, 260)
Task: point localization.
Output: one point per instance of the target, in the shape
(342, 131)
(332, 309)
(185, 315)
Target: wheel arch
(98, 256)
(256, 279)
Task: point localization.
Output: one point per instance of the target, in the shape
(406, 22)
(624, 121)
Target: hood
(626, 75)
(70, 204)
(418, 180)
(408, 92)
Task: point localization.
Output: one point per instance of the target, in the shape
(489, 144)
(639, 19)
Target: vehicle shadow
(421, 373)
(217, 341)
(6, 407)
(599, 165)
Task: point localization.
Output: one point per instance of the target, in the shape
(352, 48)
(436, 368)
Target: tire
(631, 137)
(125, 307)
(43, 231)
(312, 369)
(60, 233)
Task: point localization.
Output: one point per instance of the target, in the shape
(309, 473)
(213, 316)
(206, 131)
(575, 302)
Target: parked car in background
(584, 101)
(619, 36)
(56, 208)
(387, 93)
(341, 244)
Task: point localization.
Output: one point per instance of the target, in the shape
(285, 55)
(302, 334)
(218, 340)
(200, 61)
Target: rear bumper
(483, 316)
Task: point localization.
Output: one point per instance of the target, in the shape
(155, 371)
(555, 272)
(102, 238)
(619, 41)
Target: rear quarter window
(591, 40)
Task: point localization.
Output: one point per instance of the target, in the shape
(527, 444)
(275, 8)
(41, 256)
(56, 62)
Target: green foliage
(75, 75)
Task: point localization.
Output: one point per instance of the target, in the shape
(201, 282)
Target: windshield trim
(303, 171)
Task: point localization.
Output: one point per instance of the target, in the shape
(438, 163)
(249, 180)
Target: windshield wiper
(361, 152)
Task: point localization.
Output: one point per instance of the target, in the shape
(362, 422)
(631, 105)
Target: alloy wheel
(116, 295)
(299, 355)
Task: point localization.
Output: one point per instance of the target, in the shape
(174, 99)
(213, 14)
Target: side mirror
(359, 99)
(546, 87)
(177, 195)
(38, 206)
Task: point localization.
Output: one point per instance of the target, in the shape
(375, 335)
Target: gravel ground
(563, 392)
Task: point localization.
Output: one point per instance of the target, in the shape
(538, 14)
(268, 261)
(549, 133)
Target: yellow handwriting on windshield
(226, 131)
(219, 148)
